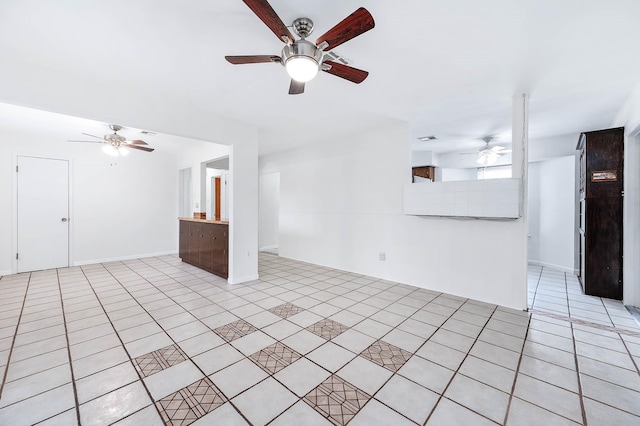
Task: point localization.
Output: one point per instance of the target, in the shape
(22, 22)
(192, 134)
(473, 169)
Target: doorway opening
(216, 188)
(269, 213)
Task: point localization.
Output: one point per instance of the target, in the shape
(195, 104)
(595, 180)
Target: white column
(243, 211)
(520, 169)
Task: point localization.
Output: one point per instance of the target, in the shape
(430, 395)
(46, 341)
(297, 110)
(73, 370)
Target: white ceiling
(446, 67)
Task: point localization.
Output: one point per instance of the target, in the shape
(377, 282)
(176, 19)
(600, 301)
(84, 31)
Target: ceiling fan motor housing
(303, 27)
(301, 48)
(115, 139)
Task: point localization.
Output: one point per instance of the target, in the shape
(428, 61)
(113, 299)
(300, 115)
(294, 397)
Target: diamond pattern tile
(386, 355)
(189, 404)
(235, 330)
(327, 329)
(156, 361)
(337, 400)
(275, 357)
(286, 310)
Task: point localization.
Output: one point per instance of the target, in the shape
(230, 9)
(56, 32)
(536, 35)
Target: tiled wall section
(492, 198)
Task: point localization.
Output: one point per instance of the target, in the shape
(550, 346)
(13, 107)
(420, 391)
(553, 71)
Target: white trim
(119, 258)
(14, 206)
(631, 212)
(7, 272)
(268, 247)
(553, 266)
(243, 279)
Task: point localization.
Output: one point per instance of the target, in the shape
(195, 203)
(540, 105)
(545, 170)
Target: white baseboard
(119, 258)
(7, 272)
(243, 279)
(268, 248)
(553, 266)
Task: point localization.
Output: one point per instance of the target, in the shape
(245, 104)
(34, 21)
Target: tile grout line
(457, 370)
(535, 293)
(66, 336)
(15, 335)
(172, 339)
(433, 300)
(123, 347)
(577, 364)
(515, 377)
(586, 323)
(330, 340)
(245, 357)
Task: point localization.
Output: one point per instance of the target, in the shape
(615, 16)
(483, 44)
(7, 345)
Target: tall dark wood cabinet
(601, 187)
(205, 244)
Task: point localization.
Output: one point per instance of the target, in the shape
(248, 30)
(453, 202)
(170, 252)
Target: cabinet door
(205, 246)
(183, 241)
(604, 248)
(220, 254)
(194, 237)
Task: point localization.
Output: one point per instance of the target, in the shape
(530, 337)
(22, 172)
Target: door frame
(630, 216)
(14, 206)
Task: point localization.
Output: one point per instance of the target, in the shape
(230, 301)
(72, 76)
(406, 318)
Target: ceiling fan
(488, 156)
(301, 58)
(115, 144)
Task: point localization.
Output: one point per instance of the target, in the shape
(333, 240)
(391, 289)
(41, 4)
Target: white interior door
(43, 213)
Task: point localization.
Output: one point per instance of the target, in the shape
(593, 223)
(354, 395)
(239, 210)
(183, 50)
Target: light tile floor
(156, 341)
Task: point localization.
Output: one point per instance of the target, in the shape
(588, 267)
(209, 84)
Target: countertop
(219, 222)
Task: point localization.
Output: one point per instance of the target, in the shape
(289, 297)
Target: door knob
(64, 219)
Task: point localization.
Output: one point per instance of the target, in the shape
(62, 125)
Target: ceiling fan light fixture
(302, 68)
(123, 150)
(110, 150)
(302, 60)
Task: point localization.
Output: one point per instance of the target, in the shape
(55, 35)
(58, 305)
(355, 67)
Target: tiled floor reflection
(155, 341)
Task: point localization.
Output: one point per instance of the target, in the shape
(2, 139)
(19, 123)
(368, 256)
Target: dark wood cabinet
(205, 245)
(600, 230)
(427, 172)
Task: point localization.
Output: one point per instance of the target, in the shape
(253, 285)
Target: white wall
(552, 213)
(340, 208)
(269, 210)
(629, 117)
(533, 224)
(118, 212)
(423, 158)
(449, 175)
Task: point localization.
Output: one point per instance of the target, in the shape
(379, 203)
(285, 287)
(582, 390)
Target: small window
(498, 172)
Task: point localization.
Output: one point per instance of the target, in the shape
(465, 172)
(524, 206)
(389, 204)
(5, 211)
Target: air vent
(427, 138)
(332, 56)
(147, 132)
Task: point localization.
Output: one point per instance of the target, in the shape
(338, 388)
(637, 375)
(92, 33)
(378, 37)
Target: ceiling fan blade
(296, 87)
(265, 12)
(344, 71)
(141, 148)
(252, 59)
(93, 136)
(136, 142)
(352, 26)
(87, 141)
